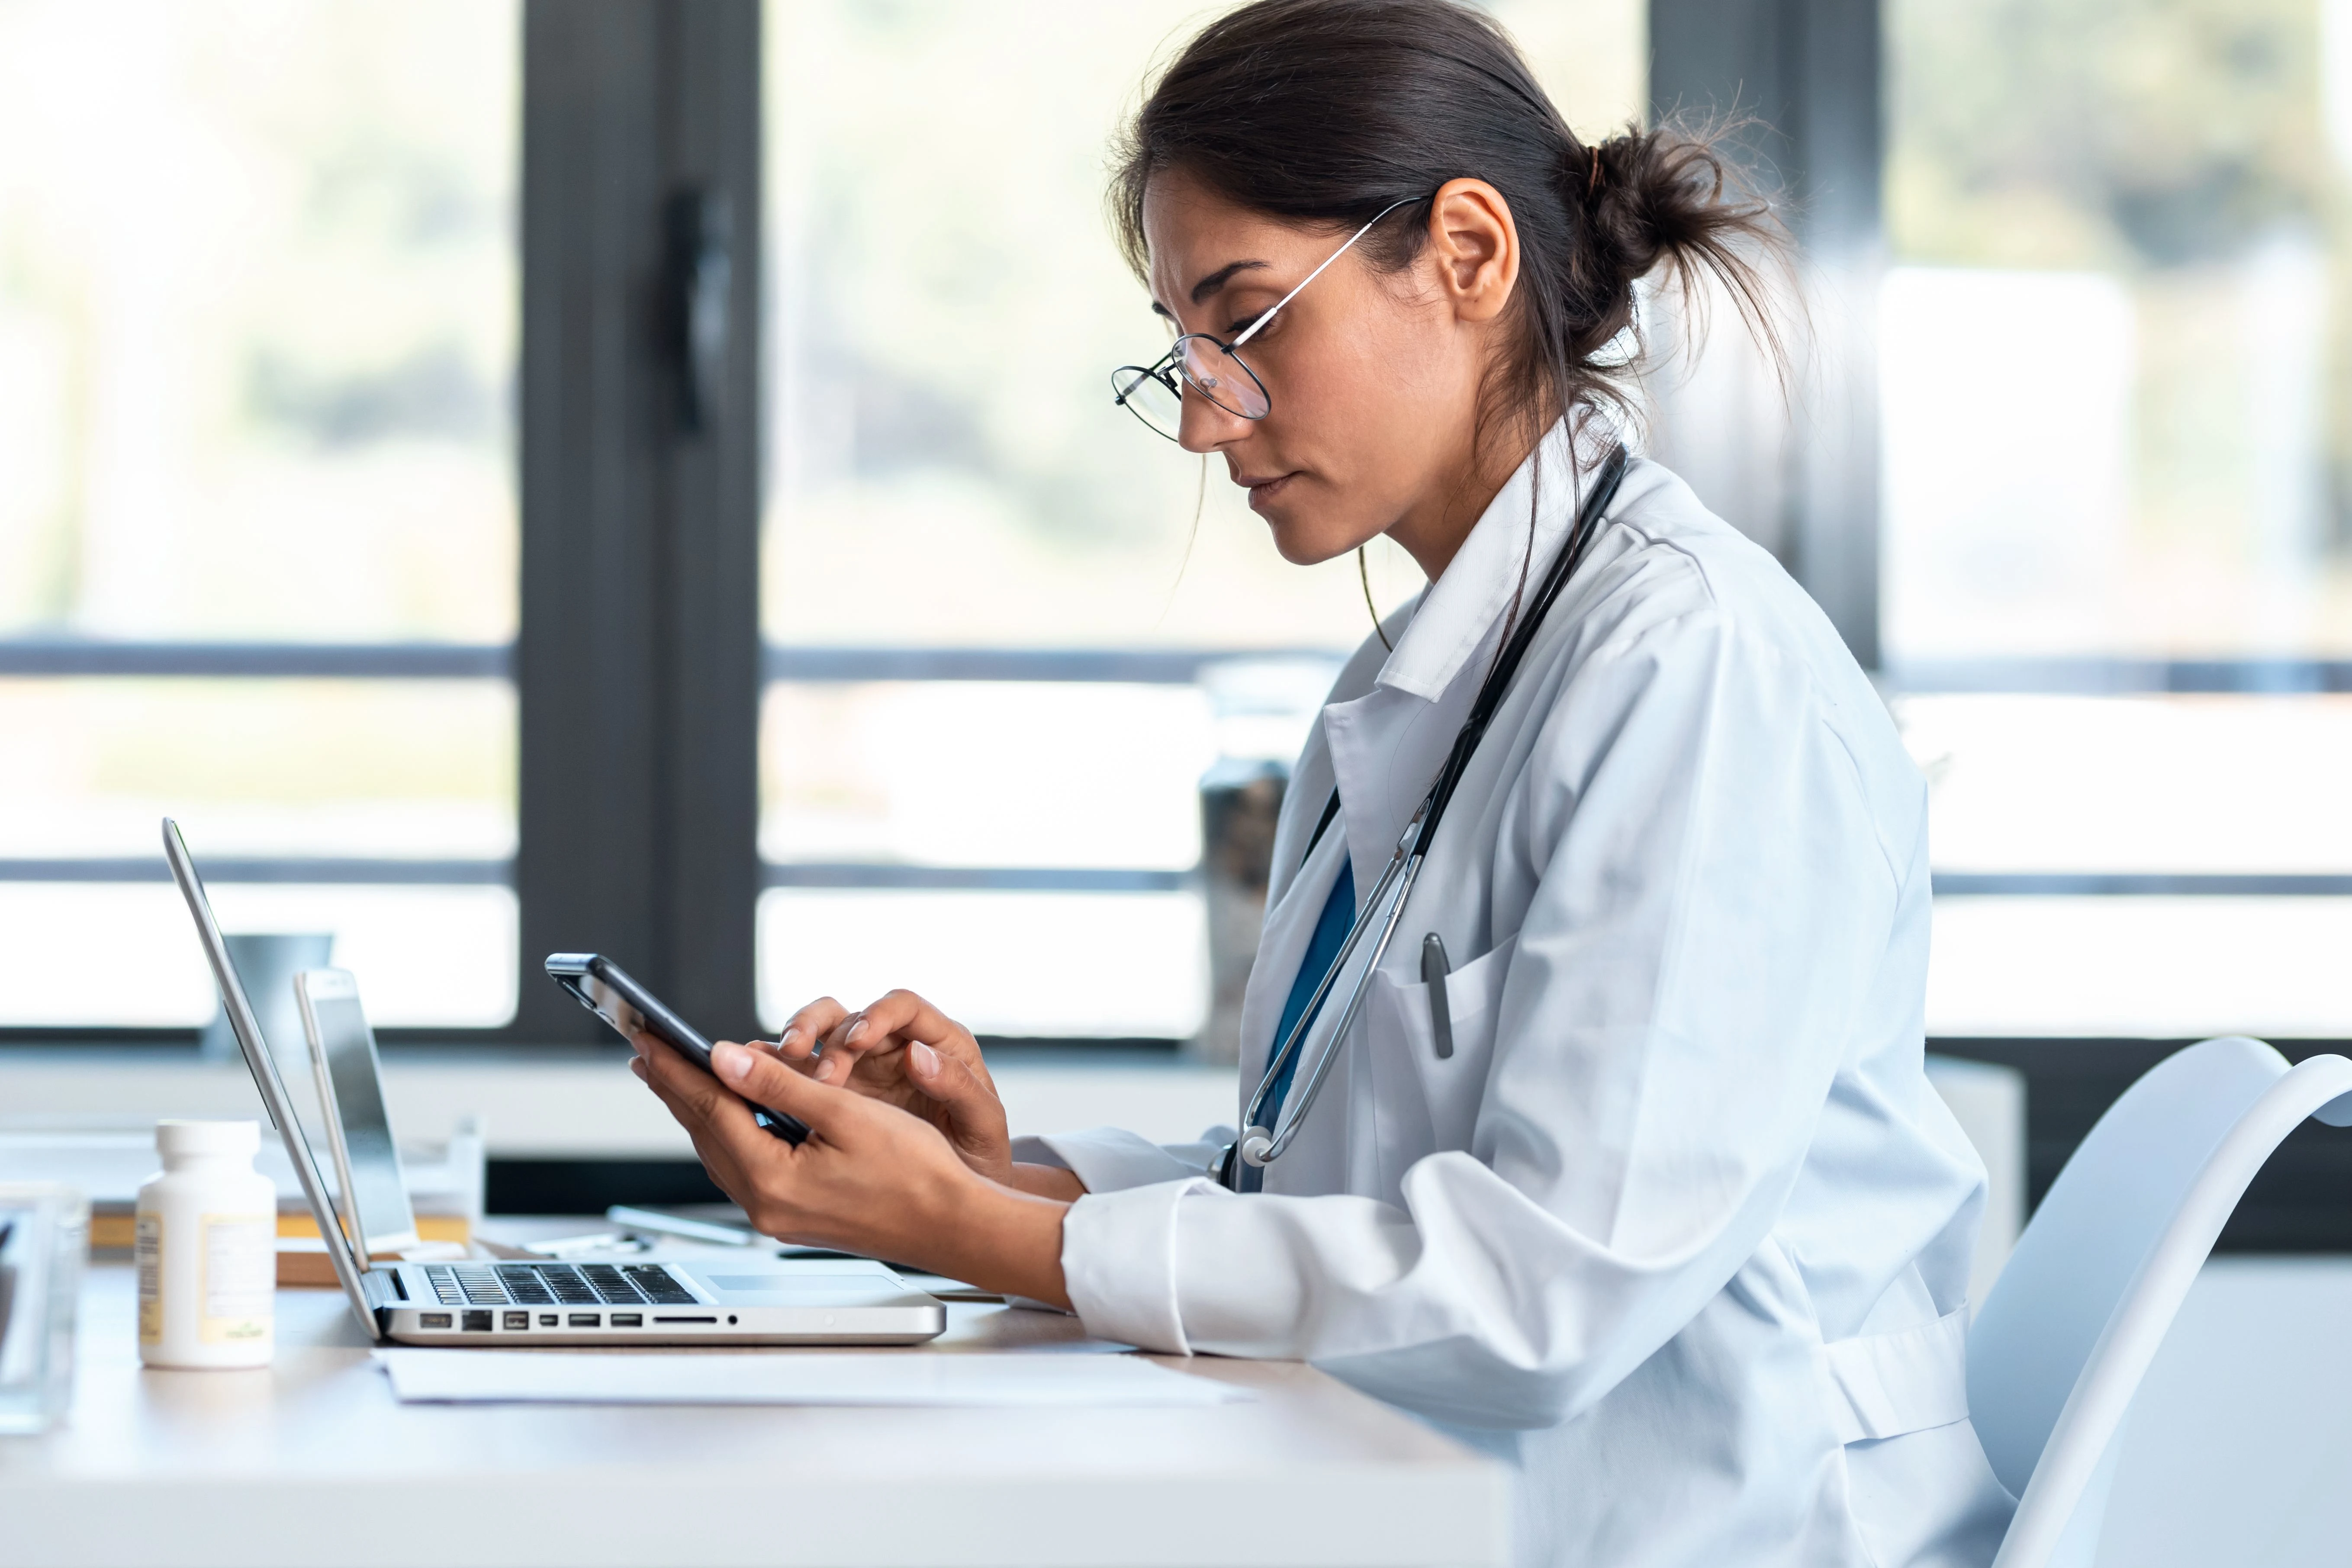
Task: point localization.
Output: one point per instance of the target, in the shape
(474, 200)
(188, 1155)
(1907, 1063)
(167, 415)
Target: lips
(1262, 490)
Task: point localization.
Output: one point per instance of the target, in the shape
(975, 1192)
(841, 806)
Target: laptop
(830, 1301)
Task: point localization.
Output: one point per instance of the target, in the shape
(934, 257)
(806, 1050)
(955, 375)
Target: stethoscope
(1259, 1145)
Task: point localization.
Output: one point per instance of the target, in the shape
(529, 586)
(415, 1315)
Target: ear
(1475, 246)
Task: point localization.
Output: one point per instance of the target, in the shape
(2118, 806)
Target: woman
(1651, 1197)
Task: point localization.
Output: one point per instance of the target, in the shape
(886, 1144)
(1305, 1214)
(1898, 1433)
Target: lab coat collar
(1459, 611)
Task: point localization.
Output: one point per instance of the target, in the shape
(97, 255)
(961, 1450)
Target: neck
(1431, 532)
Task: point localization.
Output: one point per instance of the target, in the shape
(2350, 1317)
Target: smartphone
(605, 988)
(359, 1129)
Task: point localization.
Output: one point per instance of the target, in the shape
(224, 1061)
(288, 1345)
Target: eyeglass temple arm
(1256, 326)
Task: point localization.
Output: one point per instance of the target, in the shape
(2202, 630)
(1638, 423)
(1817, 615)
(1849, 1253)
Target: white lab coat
(1680, 1230)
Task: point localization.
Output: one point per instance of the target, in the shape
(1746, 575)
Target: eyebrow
(1214, 282)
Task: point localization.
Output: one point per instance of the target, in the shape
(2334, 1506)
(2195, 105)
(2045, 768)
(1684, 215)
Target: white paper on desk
(559, 1377)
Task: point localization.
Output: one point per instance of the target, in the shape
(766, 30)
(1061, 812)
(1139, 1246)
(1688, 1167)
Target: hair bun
(1636, 191)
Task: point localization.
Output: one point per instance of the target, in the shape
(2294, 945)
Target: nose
(1203, 427)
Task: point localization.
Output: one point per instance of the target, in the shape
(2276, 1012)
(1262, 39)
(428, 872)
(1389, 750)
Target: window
(261, 561)
(1008, 628)
(2117, 593)
(258, 537)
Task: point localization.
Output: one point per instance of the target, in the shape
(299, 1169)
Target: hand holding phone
(605, 989)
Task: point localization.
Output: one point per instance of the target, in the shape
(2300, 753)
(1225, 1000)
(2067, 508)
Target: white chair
(2078, 1313)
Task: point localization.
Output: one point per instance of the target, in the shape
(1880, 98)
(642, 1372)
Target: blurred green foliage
(2196, 152)
(2102, 133)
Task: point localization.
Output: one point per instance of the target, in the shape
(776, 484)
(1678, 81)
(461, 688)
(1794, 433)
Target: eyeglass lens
(1207, 369)
(1223, 378)
(1148, 396)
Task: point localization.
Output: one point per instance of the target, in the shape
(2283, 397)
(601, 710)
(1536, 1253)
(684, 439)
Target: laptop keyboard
(660, 1286)
(550, 1284)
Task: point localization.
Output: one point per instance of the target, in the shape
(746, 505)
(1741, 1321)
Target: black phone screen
(605, 989)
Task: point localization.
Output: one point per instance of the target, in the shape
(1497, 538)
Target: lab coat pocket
(1888, 1386)
(1426, 1102)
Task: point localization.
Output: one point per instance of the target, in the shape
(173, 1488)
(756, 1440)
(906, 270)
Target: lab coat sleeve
(1109, 1159)
(1712, 900)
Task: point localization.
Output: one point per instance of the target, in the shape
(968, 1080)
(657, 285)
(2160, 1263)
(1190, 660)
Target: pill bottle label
(149, 1252)
(240, 1276)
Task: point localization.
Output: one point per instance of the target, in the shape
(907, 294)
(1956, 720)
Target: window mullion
(638, 661)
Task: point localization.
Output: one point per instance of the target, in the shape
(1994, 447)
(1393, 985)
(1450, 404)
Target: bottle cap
(176, 1137)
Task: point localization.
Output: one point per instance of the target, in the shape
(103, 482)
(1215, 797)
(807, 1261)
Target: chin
(1299, 546)
(1300, 537)
(1306, 533)
(1303, 544)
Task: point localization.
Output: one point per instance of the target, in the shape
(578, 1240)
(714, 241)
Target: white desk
(312, 1462)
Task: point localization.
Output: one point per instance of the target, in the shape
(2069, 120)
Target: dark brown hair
(1325, 111)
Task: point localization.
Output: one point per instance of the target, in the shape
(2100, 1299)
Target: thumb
(765, 1080)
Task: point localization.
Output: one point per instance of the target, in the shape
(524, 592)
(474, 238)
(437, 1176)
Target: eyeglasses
(1155, 393)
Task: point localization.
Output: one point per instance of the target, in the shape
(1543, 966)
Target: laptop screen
(259, 1062)
(359, 1126)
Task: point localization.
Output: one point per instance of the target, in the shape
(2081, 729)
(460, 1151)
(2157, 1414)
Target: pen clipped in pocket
(1434, 971)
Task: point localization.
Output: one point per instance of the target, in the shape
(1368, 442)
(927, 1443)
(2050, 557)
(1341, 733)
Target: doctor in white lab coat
(1676, 1224)
(1679, 1226)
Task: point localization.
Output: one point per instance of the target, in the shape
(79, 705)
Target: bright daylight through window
(258, 303)
(952, 494)
(259, 561)
(2117, 397)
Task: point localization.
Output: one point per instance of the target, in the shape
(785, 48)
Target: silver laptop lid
(264, 1069)
(373, 1192)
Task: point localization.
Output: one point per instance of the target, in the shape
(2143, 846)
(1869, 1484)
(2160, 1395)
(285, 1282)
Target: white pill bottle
(207, 1249)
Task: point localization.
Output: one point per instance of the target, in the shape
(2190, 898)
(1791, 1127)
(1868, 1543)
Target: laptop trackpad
(827, 1282)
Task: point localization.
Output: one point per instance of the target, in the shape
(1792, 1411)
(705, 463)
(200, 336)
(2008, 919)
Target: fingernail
(925, 1060)
(731, 1060)
(789, 1035)
(855, 1030)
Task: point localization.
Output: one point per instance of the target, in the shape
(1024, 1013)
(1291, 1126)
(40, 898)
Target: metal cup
(267, 964)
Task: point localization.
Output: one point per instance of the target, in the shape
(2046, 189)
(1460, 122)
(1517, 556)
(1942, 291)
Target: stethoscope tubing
(1322, 1068)
(1259, 1145)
